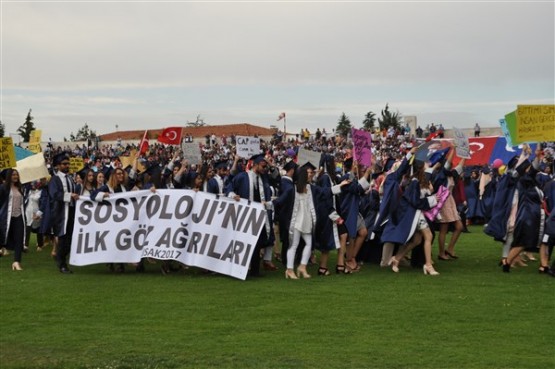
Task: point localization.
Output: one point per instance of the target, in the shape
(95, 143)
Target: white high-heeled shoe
(394, 264)
(290, 274)
(301, 272)
(16, 266)
(429, 269)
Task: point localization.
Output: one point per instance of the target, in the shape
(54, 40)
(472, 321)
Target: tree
(390, 119)
(83, 134)
(369, 120)
(26, 128)
(2, 129)
(198, 123)
(343, 125)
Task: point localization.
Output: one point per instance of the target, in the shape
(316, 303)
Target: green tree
(26, 128)
(2, 129)
(343, 125)
(369, 120)
(83, 134)
(389, 119)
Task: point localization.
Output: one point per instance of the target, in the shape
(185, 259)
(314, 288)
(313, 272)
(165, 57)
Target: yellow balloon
(502, 169)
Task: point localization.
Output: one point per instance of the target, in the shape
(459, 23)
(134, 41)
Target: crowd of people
(396, 207)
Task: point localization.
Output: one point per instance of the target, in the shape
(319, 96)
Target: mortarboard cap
(521, 169)
(222, 164)
(388, 164)
(289, 165)
(256, 159)
(308, 165)
(438, 156)
(58, 158)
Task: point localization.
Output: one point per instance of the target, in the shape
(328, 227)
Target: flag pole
(285, 129)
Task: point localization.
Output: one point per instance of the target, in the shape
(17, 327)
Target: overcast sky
(143, 65)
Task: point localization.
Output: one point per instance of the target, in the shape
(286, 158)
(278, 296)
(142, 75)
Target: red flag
(281, 116)
(431, 136)
(143, 145)
(171, 136)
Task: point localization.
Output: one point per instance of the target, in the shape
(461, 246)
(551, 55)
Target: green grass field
(471, 316)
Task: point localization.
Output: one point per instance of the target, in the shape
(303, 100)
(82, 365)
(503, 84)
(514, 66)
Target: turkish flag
(143, 145)
(170, 136)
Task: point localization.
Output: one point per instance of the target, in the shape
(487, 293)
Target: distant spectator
(477, 130)
(419, 132)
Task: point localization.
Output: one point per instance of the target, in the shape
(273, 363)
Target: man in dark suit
(253, 186)
(63, 193)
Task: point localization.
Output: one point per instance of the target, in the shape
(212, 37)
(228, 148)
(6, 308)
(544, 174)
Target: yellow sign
(535, 123)
(34, 141)
(76, 164)
(7, 153)
(128, 161)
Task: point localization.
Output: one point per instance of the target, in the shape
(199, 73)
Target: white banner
(194, 228)
(461, 144)
(247, 146)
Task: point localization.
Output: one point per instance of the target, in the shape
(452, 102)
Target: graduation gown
(501, 209)
(471, 192)
(243, 185)
(529, 217)
(327, 233)
(350, 199)
(390, 197)
(404, 218)
(549, 192)
(6, 199)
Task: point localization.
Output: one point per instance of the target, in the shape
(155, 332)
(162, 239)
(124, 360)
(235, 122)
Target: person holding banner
(63, 193)
(88, 183)
(216, 183)
(252, 185)
(12, 216)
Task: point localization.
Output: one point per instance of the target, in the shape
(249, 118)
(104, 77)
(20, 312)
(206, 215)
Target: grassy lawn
(471, 316)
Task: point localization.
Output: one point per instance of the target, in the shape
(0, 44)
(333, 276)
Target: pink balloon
(497, 163)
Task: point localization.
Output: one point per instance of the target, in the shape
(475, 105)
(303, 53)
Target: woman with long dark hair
(408, 223)
(303, 220)
(12, 216)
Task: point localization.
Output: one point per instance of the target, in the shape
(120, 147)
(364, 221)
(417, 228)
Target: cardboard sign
(76, 164)
(461, 144)
(362, 146)
(191, 152)
(535, 123)
(7, 153)
(247, 146)
(34, 141)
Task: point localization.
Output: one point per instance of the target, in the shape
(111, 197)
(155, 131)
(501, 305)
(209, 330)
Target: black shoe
(65, 270)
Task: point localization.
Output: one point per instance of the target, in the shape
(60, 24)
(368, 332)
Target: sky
(128, 65)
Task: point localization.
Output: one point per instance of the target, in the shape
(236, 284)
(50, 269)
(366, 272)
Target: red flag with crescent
(170, 136)
(143, 145)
